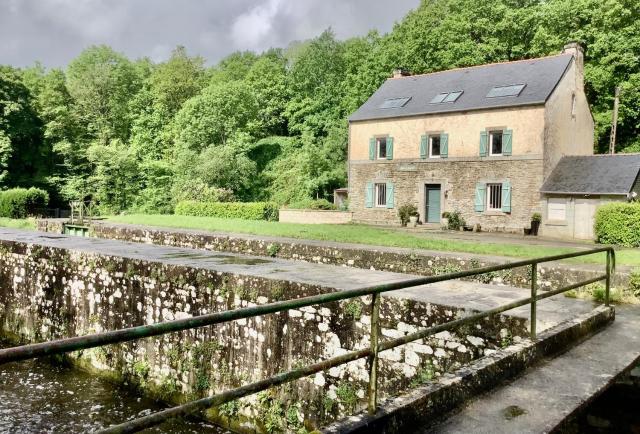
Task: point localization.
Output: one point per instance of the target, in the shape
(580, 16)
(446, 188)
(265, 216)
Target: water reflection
(37, 397)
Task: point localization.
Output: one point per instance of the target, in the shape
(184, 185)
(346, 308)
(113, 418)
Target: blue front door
(433, 203)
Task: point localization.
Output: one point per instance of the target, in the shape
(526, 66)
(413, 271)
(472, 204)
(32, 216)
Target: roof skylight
(510, 90)
(446, 97)
(395, 102)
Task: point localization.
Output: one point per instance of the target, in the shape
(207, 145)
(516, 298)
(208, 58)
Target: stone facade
(457, 179)
(540, 135)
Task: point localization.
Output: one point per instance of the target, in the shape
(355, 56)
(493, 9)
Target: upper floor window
(434, 146)
(573, 104)
(495, 142)
(381, 147)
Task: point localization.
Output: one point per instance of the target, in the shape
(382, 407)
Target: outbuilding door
(585, 211)
(432, 200)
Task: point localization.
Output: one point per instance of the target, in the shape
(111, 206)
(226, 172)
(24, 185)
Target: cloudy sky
(55, 31)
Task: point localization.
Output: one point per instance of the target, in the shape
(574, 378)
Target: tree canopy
(136, 135)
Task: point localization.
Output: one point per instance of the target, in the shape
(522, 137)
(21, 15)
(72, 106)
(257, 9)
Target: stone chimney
(575, 48)
(400, 72)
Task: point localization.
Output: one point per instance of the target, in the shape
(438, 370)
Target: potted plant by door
(413, 220)
(536, 218)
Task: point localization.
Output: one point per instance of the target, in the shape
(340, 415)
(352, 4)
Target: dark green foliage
(405, 211)
(316, 204)
(455, 220)
(22, 202)
(240, 210)
(618, 223)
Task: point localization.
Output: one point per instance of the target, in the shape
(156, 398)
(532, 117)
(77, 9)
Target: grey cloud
(55, 31)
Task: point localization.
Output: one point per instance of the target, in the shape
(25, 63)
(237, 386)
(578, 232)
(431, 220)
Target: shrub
(634, 282)
(455, 220)
(536, 217)
(22, 202)
(405, 211)
(239, 210)
(618, 223)
(312, 204)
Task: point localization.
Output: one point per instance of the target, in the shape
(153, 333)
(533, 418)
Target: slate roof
(540, 76)
(594, 174)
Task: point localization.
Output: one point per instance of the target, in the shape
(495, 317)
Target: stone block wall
(401, 260)
(458, 178)
(308, 216)
(48, 293)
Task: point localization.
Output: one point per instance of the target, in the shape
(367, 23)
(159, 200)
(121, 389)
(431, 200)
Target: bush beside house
(19, 203)
(618, 223)
(241, 210)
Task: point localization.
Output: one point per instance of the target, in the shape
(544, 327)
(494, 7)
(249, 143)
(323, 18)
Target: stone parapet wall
(48, 293)
(309, 216)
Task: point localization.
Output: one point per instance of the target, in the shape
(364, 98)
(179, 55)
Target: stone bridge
(55, 286)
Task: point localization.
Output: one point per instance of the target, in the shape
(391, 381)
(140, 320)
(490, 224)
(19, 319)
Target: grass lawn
(363, 234)
(18, 223)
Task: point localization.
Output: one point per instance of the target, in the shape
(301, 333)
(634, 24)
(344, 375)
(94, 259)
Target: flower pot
(535, 225)
(413, 221)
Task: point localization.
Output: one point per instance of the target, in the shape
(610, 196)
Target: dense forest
(138, 136)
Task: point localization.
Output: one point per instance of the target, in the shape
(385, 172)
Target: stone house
(479, 140)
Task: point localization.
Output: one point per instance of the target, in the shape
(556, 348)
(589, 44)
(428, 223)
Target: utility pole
(614, 122)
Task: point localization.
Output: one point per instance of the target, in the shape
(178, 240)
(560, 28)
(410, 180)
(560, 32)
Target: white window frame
(490, 144)
(379, 141)
(430, 138)
(491, 186)
(558, 205)
(380, 188)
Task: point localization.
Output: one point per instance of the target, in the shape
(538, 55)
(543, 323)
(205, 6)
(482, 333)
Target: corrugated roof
(540, 77)
(594, 174)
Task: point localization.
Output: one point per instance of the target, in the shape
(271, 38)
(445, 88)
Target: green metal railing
(371, 353)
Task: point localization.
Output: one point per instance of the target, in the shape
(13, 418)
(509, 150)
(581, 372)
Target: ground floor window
(494, 197)
(381, 194)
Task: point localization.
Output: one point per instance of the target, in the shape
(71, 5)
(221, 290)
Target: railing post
(373, 358)
(608, 280)
(534, 293)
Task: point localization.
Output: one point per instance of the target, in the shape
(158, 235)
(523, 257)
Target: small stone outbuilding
(579, 184)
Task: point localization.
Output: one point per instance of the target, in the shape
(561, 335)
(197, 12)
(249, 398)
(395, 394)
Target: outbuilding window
(494, 197)
(557, 209)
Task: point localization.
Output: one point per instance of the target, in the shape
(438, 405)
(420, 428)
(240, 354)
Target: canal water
(38, 397)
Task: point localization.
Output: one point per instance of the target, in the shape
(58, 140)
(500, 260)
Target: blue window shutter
(368, 195)
(507, 138)
(506, 196)
(484, 140)
(444, 145)
(372, 148)
(423, 146)
(389, 194)
(481, 196)
(389, 148)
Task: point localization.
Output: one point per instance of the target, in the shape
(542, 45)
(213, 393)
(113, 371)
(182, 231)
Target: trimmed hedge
(18, 203)
(229, 210)
(618, 223)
